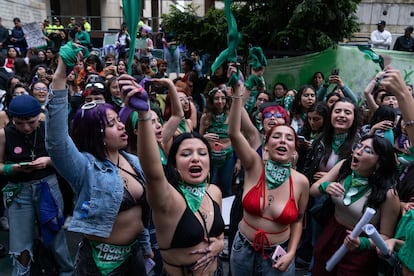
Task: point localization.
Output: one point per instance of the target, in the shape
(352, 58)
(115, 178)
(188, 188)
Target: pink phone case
(279, 252)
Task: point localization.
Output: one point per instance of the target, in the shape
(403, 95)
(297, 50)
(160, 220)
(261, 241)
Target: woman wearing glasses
(214, 127)
(367, 178)
(39, 90)
(274, 200)
(339, 134)
(109, 183)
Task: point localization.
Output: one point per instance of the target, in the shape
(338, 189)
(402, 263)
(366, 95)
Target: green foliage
(282, 25)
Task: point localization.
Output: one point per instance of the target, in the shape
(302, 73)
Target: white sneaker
(67, 222)
(4, 223)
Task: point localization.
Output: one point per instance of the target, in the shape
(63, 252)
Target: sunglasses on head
(90, 105)
(95, 84)
(269, 115)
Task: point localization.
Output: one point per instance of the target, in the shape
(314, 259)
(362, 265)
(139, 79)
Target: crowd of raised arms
(139, 163)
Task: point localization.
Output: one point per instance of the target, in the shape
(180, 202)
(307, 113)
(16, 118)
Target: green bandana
(233, 40)
(182, 126)
(162, 155)
(117, 101)
(338, 141)
(276, 173)
(220, 118)
(355, 187)
(193, 194)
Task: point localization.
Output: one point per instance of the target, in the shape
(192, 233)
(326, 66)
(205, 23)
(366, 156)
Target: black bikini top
(190, 231)
(128, 201)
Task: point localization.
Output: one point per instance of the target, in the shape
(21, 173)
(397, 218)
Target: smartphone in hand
(279, 252)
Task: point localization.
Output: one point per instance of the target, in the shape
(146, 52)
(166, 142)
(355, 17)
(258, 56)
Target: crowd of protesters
(139, 163)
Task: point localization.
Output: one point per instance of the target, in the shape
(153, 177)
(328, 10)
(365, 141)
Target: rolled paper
(340, 253)
(372, 232)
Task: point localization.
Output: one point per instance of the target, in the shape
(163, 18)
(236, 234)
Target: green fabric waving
(233, 41)
(132, 11)
(372, 55)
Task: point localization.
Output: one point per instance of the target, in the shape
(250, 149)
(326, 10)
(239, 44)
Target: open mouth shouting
(195, 171)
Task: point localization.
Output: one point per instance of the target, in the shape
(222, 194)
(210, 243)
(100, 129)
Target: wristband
(364, 244)
(324, 185)
(237, 96)
(8, 169)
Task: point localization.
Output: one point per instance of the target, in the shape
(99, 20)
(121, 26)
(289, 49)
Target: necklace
(124, 179)
(33, 146)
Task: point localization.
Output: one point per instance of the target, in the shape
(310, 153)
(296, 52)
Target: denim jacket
(97, 185)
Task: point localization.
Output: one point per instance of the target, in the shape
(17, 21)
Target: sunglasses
(269, 115)
(96, 85)
(90, 105)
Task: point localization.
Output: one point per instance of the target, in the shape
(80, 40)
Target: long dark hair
(385, 175)
(329, 131)
(321, 109)
(171, 172)
(297, 107)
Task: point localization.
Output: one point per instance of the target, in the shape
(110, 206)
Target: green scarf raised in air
(193, 194)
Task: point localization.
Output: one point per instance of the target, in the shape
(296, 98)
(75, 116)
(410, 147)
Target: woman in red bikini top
(275, 195)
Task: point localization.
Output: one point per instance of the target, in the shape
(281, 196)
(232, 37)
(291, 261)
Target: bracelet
(324, 185)
(8, 169)
(364, 244)
(237, 96)
(409, 123)
(147, 118)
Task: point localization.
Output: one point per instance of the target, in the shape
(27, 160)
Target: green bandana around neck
(338, 140)
(276, 173)
(355, 187)
(193, 194)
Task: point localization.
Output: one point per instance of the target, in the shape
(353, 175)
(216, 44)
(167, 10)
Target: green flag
(132, 11)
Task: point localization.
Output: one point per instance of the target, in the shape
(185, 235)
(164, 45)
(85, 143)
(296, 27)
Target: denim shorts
(244, 260)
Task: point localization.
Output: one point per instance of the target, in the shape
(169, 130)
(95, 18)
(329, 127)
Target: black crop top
(190, 231)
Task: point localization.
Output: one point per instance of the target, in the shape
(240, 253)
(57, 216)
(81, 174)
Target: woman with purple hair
(108, 182)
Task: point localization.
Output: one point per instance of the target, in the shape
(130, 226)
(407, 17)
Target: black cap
(381, 22)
